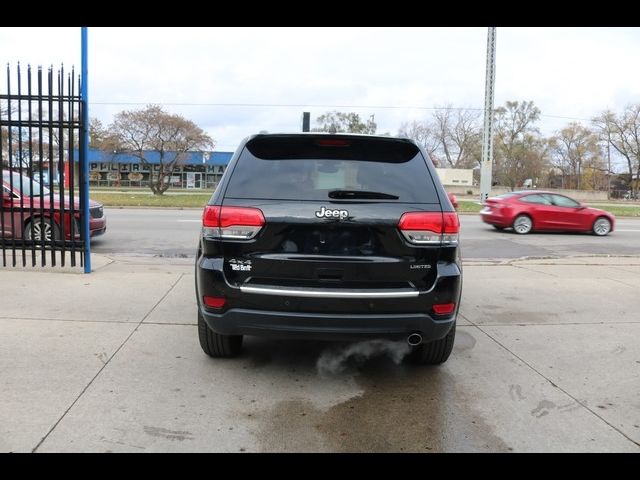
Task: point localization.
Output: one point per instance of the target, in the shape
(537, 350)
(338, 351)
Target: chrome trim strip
(331, 293)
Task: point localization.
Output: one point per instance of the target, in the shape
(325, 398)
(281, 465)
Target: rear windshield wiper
(361, 194)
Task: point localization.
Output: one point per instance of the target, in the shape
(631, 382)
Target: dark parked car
(537, 210)
(23, 216)
(329, 237)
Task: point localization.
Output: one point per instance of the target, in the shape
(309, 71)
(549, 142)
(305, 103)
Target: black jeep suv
(331, 237)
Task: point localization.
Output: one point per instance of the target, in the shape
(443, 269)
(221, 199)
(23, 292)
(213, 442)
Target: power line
(566, 118)
(282, 105)
(309, 105)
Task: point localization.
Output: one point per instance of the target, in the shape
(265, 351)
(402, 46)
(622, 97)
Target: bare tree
(142, 132)
(623, 134)
(520, 151)
(572, 148)
(425, 135)
(451, 137)
(4, 148)
(97, 133)
(337, 122)
(22, 140)
(4, 132)
(460, 136)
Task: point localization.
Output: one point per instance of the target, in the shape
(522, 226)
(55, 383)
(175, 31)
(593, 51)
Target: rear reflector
(430, 228)
(214, 302)
(232, 223)
(444, 308)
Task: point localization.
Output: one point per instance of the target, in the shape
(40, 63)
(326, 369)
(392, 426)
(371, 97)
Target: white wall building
(456, 177)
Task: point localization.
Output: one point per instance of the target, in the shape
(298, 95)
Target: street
(174, 233)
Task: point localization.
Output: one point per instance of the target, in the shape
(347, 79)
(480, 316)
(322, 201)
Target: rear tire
(601, 227)
(216, 345)
(433, 353)
(522, 224)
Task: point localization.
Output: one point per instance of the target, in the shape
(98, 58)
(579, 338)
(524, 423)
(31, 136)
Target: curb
(147, 207)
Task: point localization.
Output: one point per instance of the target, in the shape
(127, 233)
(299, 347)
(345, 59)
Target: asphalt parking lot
(546, 359)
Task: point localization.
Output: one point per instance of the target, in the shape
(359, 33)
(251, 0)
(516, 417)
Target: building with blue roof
(196, 170)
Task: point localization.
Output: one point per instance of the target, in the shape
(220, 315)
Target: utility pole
(608, 166)
(487, 133)
(306, 121)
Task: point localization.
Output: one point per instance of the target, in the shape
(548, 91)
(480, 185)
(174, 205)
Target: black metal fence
(40, 132)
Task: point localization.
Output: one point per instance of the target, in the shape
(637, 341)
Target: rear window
(562, 201)
(507, 195)
(312, 167)
(535, 199)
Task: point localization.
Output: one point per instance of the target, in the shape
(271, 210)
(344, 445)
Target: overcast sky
(567, 72)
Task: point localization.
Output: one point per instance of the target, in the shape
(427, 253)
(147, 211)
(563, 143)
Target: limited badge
(424, 266)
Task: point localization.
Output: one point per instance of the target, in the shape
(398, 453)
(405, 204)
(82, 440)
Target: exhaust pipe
(414, 339)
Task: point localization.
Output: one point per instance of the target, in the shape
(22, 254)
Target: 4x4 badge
(327, 213)
(240, 265)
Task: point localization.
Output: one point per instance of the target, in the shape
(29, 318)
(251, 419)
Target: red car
(11, 199)
(527, 211)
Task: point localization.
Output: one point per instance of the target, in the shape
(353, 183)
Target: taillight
(430, 228)
(444, 308)
(231, 223)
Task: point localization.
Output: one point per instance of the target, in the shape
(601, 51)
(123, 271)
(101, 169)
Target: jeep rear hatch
(331, 212)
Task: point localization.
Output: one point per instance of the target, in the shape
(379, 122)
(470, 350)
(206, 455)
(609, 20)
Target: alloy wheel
(522, 224)
(602, 226)
(36, 229)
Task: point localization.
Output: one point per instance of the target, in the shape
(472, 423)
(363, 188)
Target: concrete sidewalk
(546, 359)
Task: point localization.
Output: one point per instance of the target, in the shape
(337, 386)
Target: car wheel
(216, 345)
(37, 228)
(433, 353)
(601, 227)
(522, 224)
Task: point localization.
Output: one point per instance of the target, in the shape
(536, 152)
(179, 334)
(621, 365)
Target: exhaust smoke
(337, 360)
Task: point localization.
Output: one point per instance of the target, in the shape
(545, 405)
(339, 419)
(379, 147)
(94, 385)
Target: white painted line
(625, 230)
(198, 221)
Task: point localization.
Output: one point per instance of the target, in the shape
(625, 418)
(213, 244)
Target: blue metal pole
(84, 157)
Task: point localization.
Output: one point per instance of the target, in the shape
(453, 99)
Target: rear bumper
(326, 326)
(498, 220)
(330, 317)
